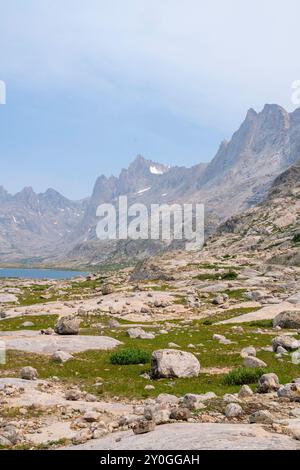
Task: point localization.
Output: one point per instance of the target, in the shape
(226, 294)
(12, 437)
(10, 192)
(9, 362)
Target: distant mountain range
(49, 228)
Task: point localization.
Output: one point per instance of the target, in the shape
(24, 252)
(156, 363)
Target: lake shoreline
(40, 274)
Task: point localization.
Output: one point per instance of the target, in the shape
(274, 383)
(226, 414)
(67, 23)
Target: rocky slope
(272, 228)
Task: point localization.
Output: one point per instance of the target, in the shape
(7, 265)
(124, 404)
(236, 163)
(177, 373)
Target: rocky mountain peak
(139, 162)
(264, 143)
(52, 193)
(140, 174)
(251, 114)
(3, 194)
(26, 196)
(273, 109)
(54, 199)
(274, 118)
(142, 166)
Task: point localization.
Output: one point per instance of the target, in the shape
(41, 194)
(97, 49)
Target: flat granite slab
(265, 313)
(35, 342)
(34, 395)
(16, 382)
(198, 436)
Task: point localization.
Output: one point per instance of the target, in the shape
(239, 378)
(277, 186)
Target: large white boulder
(287, 342)
(61, 356)
(68, 325)
(268, 383)
(174, 363)
(29, 373)
(288, 319)
(139, 333)
(253, 362)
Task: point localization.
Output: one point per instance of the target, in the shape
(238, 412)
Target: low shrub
(230, 275)
(296, 238)
(262, 323)
(243, 376)
(130, 356)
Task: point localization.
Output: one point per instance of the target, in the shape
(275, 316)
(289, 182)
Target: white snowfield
(156, 171)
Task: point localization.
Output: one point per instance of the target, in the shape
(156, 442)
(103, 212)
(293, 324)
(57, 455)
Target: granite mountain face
(272, 227)
(243, 170)
(37, 228)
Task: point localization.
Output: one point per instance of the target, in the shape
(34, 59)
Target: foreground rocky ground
(197, 336)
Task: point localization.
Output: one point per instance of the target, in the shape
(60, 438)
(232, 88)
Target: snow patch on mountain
(156, 171)
(141, 191)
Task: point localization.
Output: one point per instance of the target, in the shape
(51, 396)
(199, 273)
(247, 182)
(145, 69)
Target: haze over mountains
(37, 228)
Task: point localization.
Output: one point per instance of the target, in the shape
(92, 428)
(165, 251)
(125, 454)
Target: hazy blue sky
(91, 83)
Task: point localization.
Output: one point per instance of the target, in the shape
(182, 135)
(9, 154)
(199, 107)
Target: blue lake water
(39, 273)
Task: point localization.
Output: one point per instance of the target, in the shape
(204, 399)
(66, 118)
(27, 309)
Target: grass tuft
(130, 356)
(230, 275)
(262, 323)
(243, 376)
(296, 238)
